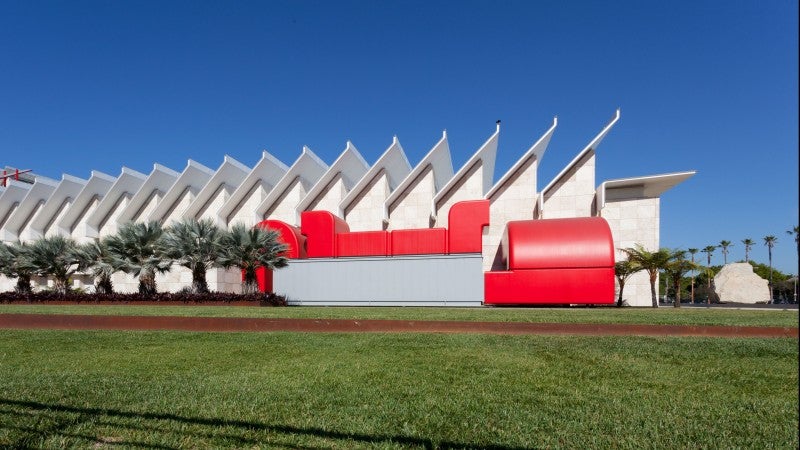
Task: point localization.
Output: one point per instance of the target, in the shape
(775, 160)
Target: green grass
(667, 316)
(294, 390)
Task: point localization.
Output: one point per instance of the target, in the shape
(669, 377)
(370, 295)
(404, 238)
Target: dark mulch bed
(210, 299)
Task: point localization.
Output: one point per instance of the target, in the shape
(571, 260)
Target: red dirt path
(229, 324)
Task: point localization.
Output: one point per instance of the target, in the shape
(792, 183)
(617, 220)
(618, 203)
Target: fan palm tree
(650, 261)
(55, 256)
(796, 233)
(693, 251)
(624, 270)
(709, 251)
(15, 262)
(250, 248)
(677, 267)
(770, 242)
(135, 249)
(724, 245)
(195, 245)
(96, 258)
(748, 245)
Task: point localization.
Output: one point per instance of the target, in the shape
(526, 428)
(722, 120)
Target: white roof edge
(219, 177)
(247, 184)
(133, 173)
(326, 177)
(102, 176)
(175, 189)
(196, 165)
(589, 147)
(294, 171)
(312, 155)
(237, 164)
(536, 150)
(379, 165)
(666, 180)
(161, 168)
(141, 195)
(89, 191)
(73, 179)
(424, 162)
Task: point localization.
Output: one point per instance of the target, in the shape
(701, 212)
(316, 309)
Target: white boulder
(737, 283)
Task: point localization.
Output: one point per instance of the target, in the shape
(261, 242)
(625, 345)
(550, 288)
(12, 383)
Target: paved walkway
(229, 324)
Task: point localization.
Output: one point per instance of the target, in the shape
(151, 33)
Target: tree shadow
(85, 414)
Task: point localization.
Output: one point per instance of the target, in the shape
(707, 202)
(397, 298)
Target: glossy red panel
(424, 241)
(465, 226)
(558, 243)
(289, 235)
(320, 229)
(264, 279)
(549, 286)
(363, 243)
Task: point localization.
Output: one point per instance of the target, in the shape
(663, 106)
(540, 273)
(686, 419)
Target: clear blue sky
(703, 85)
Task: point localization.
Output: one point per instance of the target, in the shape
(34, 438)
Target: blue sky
(703, 85)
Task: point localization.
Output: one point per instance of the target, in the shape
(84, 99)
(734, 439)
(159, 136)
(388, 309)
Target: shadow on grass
(86, 414)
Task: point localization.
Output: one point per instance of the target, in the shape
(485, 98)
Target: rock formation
(737, 283)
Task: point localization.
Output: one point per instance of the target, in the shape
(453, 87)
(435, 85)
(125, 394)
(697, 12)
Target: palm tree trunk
(249, 284)
(199, 284)
(23, 284)
(104, 285)
(677, 292)
(621, 287)
(147, 283)
(693, 288)
(60, 285)
(770, 275)
(654, 297)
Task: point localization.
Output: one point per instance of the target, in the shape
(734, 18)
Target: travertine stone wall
(149, 206)
(243, 213)
(413, 208)
(52, 228)
(634, 221)
(365, 213)
(209, 210)
(573, 194)
(80, 232)
(284, 207)
(180, 206)
(109, 225)
(469, 187)
(330, 197)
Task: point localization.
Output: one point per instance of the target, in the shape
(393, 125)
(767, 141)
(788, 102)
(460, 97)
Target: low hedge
(260, 299)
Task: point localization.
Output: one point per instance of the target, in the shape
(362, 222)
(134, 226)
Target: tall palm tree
(770, 242)
(796, 233)
(650, 261)
(97, 259)
(250, 248)
(135, 249)
(195, 245)
(709, 251)
(677, 267)
(15, 262)
(56, 256)
(748, 244)
(693, 251)
(624, 270)
(724, 245)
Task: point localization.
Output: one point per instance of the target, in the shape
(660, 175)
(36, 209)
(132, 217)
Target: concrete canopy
(114, 201)
(650, 186)
(150, 193)
(10, 199)
(182, 192)
(259, 182)
(20, 219)
(67, 190)
(282, 200)
(225, 180)
(83, 205)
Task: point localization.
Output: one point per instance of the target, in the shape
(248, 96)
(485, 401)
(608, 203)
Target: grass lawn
(294, 390)
(666, 316)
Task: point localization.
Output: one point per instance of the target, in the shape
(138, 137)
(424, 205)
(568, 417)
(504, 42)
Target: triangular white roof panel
(128, 183)
(438, 158)
(230, 173)
(269, 170)
(536, 151)
(37, 195)
(159, 180)
(350, 165)
(393, 162)
(11, 198)
(67, 190)
(97, 187)
(308, 168)
(193, 177)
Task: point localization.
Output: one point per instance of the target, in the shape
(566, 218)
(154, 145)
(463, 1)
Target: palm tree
(748, 244)
(96, 258)
(195, 245)
(652, 262)
(250, 248)
(709, 251)
(677, 268)
(724, 245)
(15, 262)
(770, 242)
(135, 249)
(55, 256)
(796, 233)
(624, 270)
(693, 251)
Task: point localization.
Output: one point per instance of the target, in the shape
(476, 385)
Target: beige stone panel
(412, 209)
(365, 213)
(149, 206)
(181, 205)
(284, 208)
(470, 187)
(244, 212)
(330, 197)
(210, 209)
(51, 229)
(79, 233)
(109, 224)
